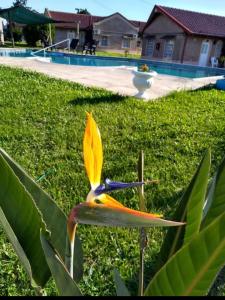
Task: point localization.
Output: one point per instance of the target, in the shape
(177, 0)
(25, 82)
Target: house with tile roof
(112, 33)
(183, 36)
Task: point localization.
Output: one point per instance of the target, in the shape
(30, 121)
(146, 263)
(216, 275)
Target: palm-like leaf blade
(53, 216)
(25, 221)
(192, 270)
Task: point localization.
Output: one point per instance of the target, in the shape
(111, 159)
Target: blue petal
(111, 186)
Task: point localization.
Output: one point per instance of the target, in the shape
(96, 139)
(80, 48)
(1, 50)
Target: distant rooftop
(85, 20)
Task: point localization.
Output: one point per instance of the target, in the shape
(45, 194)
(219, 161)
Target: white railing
(44, 49)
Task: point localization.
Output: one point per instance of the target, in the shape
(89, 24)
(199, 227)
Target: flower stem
(143, 234)
(70, 252)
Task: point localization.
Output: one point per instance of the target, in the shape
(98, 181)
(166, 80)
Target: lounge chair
(74, 44)
(93, 47)
(90, 48)
(86, 48)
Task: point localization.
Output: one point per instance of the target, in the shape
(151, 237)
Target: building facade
(112, 33)
(182, 36)
(116, 33)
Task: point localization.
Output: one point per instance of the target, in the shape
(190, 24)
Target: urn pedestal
(143, 81)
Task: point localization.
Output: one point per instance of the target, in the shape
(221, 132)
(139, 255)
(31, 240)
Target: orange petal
(93, 153)
(138, 213)
(109, 201)
(112, 203)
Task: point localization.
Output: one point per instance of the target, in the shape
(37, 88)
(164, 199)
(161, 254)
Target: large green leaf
(209, 197)
(197, 199)
(25, 221)
(215, 204)
(192, 270)
(121, 289)
(189, 210)
(15, 243)
(55, 219)
(65, 284)
(103, 215)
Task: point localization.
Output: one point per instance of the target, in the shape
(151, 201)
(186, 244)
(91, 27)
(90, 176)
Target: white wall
(1, 31)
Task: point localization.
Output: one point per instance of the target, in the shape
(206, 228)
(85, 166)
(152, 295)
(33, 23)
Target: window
(104, 41)
(168, 50)
(150, 47)
(126, 43)
(71, 34)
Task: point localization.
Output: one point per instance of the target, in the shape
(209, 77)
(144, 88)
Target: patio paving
(115, 79)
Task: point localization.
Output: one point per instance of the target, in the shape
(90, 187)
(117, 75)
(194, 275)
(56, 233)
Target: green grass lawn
(42, 122)
(8, 44)
(98, 53)
(114, 54)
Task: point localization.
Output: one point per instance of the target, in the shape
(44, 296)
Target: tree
(44, 31)
(16, 31)
(35, 33)
(20, 3)
(82, 11)
(31, 34)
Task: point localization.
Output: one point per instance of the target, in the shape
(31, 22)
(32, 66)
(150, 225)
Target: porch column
(184, 47)
(50, 33)
(78, 29)
(10, 29)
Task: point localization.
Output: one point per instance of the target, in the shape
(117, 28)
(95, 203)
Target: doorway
(204, 53)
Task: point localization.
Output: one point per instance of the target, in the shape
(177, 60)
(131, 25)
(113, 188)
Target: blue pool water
(98, 61)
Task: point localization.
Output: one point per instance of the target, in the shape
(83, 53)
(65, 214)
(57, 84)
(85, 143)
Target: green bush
(17, 33)
(35, 33)
(31, 34)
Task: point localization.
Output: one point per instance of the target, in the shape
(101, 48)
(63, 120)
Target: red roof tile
(194, 22)
(73, 18)
(139, 24)
(85, 20)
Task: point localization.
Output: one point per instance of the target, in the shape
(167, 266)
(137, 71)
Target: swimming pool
(173, 69)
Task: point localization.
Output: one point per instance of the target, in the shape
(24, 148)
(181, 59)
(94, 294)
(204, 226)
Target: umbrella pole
(10, 29)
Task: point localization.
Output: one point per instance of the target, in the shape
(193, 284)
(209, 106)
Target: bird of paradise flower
(100, 208)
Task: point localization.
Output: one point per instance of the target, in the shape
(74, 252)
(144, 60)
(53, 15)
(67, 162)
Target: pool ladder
(44, 49)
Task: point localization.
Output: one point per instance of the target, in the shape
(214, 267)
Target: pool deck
(115, 79)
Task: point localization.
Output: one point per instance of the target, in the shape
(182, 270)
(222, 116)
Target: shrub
(17, 33)
(31, 35)
(34, 33)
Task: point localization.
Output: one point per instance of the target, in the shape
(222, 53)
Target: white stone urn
(143, 81)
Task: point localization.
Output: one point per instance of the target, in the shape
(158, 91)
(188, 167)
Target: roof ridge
(73, 13)
(192, 11)
(103, 17)
(174, 18)
(192, 22)
(137, 21)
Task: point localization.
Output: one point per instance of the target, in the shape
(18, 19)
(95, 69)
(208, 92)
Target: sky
(132, 9)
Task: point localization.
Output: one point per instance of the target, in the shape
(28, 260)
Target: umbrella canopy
(24, 15)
